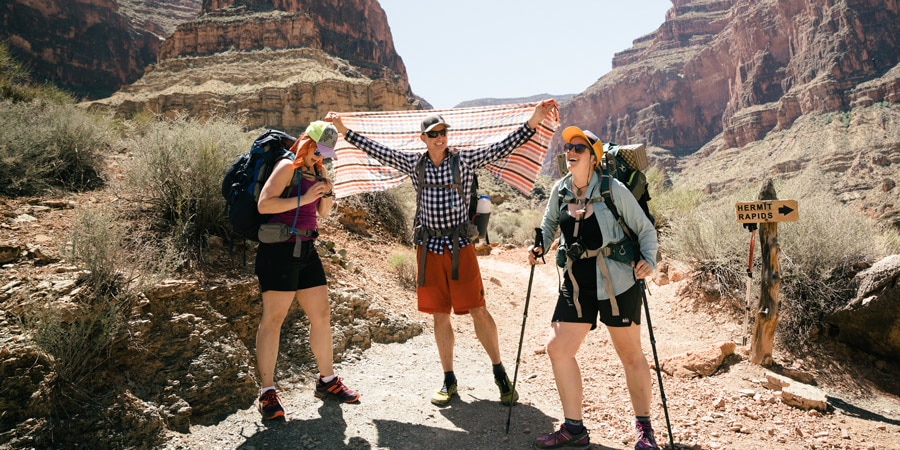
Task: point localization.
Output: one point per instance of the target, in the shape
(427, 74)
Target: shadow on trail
(328, 431)
(855, 411)
(482, 426)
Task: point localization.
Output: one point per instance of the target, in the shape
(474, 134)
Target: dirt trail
(396, 382)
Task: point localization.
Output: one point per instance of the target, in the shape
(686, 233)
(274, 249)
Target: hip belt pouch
(273, 233)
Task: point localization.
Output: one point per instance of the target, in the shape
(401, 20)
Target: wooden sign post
(767, 212)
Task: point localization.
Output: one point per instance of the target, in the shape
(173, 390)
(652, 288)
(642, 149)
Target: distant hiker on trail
(448, 272)
(289, 267)
(595, 285)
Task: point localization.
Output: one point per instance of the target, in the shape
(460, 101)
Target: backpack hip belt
(423, 233)
(617, 251)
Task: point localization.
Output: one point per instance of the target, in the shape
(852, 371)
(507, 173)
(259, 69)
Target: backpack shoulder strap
(606, 192)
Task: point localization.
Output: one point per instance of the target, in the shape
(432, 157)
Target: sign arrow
(785, 210)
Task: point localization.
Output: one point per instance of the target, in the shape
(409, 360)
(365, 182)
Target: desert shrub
(708, 238)
(178, 167)
(16, 84)
(403, 264)
(78, 334)
(46, 145)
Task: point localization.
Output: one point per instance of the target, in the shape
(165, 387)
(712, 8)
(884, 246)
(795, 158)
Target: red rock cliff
(87, 46)
(741, 69)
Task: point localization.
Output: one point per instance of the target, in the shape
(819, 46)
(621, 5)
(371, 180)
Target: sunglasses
(434, 134)
(579, 148)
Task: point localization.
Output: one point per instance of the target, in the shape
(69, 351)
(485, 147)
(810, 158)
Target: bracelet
(328, 194)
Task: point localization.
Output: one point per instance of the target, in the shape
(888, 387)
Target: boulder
(871, 321)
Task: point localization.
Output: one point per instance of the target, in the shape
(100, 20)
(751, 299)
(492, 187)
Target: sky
(459, 50)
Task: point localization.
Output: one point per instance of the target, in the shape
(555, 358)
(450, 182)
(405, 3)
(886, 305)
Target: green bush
(403, 264)
(178, 167)
(47, 145)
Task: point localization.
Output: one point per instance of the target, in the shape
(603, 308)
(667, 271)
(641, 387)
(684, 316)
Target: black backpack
(246, 177)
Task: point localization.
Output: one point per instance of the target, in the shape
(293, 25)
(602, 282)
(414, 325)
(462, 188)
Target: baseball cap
(431, 121)
(325, 135)
(572, 132)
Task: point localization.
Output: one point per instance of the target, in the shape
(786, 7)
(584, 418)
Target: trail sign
(765, 211)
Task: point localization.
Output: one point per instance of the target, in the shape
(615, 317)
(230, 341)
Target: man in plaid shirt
(451, 279)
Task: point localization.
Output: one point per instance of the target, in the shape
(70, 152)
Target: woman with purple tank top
(291, 269)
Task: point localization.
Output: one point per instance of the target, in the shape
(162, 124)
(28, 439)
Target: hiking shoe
(335, 390)
(563, 439)
(645, 440)
(507, 395)
(443, 396)
(270, 405)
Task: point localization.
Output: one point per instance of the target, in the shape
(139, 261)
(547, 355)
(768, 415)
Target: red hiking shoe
(336, 390)
(270, 406)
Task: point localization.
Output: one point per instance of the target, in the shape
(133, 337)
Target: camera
(575, 250)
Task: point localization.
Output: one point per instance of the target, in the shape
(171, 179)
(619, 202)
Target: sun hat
(325, 135)
(431, 121)
(572, 132)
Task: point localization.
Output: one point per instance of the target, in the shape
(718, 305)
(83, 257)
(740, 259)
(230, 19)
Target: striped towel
(355, 172)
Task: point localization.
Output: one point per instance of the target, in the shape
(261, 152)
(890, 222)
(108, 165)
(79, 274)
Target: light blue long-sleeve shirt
(621, 274)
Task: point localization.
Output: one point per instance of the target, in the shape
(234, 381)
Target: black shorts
(629, 309)
(278, 270)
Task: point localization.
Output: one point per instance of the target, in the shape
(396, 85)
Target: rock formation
(277, 63)
(86, 46)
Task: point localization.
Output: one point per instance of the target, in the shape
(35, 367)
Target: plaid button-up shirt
(442, 208)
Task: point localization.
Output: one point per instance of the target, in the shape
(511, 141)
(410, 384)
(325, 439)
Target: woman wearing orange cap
(597, 282)
(292, 269)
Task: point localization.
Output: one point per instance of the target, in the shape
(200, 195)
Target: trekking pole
(752, 228)
(662, 393)
(538, 238)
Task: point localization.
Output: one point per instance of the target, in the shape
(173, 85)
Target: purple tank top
(306, 217)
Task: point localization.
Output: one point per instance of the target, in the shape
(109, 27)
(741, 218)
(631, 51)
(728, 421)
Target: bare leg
(565, 339)
(275, 307)
(627, 342)
(486, 331)
(444, 338)
(314, 302)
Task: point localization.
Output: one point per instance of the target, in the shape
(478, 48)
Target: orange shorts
(439, 293)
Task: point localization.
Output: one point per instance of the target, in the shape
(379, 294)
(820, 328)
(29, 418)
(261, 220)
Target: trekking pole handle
(539, 238)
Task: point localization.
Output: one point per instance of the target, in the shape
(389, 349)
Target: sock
(264, 390)
(449, 378)
(499, 372)
(575, 426)
(645, 419)
(327, 379)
